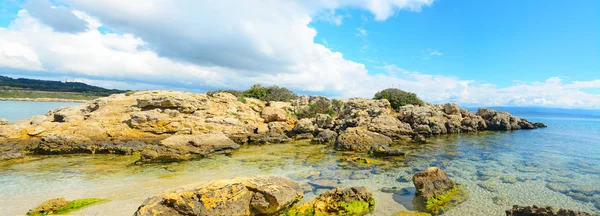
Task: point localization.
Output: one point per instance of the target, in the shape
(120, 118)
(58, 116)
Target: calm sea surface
(19, 110)
(558, 166)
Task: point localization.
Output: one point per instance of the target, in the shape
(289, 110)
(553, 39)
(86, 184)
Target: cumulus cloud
(59, 18)
(195, 45)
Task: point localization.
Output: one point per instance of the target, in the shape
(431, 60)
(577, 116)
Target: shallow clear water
(558, 166)
(19, 110)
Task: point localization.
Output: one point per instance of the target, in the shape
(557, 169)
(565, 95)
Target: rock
(9, 155)
(383, 150)
(325, 137)
(305, 125)
(539, 125)
(54, 143)
(324, 121)
(452, 109)
(360, 139)
(502, 120)
(412, 213)
(346, 201)
(183, 102)
(223, 120)
(3, 121)
(258, 195)
(389, 126)
(499, 200)
(154, 121)
(394, 190)
(324, 183)
(542, 211)
(186, 147)
(271, 114)
(491, 187)
(432, 182)
(508, 179)
(49, 206)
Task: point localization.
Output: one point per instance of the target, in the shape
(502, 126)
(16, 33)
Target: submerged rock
(186, 147)
(49, 206)
(412, 213)
(542, 211)
(258, 195)
(383, 150)
(346, 201)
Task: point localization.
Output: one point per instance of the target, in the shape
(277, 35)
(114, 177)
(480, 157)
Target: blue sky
(475, 53)
(491, 41)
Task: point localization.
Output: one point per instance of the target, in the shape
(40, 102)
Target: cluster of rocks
(542, 211)
(256, 195)
(171, 126)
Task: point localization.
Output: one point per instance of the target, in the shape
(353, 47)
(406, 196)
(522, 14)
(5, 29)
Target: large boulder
(258, 195)
(3, 121)
(184, 102)
(360, 139)
(389, 126)
(186, 147)
(432, 182)
(339, 201)
(272, 114)
(542, 211)
(325, 137)
(452, 109)
(305, 125)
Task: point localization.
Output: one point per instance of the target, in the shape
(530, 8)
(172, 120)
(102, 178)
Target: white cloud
(361, 32)
(192, 45)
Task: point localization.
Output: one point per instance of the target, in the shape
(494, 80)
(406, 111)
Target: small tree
(271, 93)
(398, 98)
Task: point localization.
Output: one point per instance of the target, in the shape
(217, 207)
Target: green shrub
(321, 106)
(271, 93)
(398, 98)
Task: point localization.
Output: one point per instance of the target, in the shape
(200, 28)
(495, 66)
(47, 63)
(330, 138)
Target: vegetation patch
(271, 93)
(71, 206)
(444, 202)
(321, 106)
(399, 98)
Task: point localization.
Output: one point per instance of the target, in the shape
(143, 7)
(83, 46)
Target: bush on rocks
(271, 93)
(321, 106)
(398, 98)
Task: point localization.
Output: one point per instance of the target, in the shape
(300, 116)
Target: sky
(475, 53)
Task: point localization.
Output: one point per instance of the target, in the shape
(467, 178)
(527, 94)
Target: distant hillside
(23, 84)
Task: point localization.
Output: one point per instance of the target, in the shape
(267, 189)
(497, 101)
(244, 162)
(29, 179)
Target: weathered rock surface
(3, 121)
(383, 150)
(49, 206)
(360, 139)
(130, 123)
(432, 182)
(258, 195)
(542, 211)
(339, 201)
(186, 147)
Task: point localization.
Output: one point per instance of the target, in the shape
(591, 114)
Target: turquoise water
(19, 110)
(558, 166)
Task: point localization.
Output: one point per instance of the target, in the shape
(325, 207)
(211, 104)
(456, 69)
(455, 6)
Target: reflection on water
(541, 167)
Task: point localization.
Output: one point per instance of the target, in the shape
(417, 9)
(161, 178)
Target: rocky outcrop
(339, 201)
(496, 120)
(134, 122)
(3, 121)
(49, 206)
(542, 211)
(360, 139)
(186, 147)
(432, 182)
(258, 195)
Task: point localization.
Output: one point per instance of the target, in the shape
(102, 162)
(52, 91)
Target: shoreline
(45, 100)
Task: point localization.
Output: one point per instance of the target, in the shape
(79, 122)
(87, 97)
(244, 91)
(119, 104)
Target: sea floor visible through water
(557, 166)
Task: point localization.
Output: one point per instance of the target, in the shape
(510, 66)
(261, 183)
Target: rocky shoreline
(165, 126)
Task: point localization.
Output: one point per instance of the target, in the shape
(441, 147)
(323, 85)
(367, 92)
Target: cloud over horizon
(190, 45)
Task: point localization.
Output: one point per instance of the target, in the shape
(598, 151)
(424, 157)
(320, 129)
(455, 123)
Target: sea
(557, 166)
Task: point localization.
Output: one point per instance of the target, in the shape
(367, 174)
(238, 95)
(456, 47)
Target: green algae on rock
(347, 201)
(441, 203)
(61, 206)
(412, 213)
